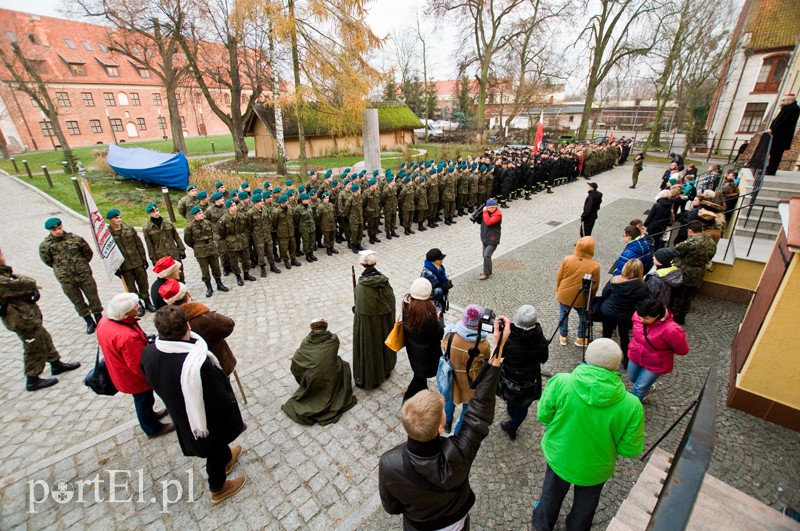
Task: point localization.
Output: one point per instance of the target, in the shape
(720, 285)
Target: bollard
(213, 150)
(65, 163)
(168, 203)
(27, 168)
(77, 189)
(47, 176)
(14, 163)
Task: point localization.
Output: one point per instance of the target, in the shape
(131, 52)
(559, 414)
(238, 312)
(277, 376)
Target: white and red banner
(537, 144)
(103, 241)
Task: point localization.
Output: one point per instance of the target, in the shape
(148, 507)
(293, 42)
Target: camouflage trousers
(264, 253)
(209, 262)
(433, 210)
(328, 238)
(422, 215)
(308, 239)
(136, 282)
(408, 218)
(389, 220)
(356, 233)
(75, 292)
(288, 247)
(38, 349)
(449, 209)
(235, 257)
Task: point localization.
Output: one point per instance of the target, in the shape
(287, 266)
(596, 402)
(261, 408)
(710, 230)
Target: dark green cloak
(374, 318)
(326, 389)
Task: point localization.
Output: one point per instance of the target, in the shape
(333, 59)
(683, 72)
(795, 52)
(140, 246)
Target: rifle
(353, 272)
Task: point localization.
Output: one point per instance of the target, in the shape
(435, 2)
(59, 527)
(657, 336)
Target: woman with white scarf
(198, 396)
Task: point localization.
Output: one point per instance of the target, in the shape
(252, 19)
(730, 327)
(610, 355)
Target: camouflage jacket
(327, 218)
(693, 255)
(162, 241)
(355, 213)
(69, 256)
(432, 189)
(20, 313)
(407, 197)
(462, 183)
(304, 218)
(233, 229)
(199, 235)
(372, 203)
(131, 246)
(259, 223)
(283, 222)
(389, 199)
(185, 205)
(449, 193)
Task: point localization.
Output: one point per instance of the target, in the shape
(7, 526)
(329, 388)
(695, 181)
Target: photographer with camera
(433, 270)
(426, 479)
(572, 289)
(468, 347)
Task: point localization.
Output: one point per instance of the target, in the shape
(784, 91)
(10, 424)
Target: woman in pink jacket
(657, 338)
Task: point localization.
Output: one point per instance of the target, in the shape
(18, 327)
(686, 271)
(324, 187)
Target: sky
(385, 17)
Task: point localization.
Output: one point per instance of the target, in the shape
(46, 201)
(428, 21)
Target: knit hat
(605, 353)
(202, 195)
(195, 209)
(368, 258)
(150, 207)
(219, 183)
(216, 196)
(52, 223)
(120, 304)
(113, 213)
(526, 317)
(491, 202)
(190, 187)
(166, 266)
(172, 291)
(318, 323)
(472, 316)
(665, 255)
(228, 203)
(421, 289)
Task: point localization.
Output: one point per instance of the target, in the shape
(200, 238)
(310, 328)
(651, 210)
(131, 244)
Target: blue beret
(257, 191)
(389, 178)
(304, 196)
(422, 179)
(257, 197)
(277, 189)
(375, 172)
(312, 191)
(328, 173)
(219, 183)
(52, 223)
(150, 207)
(202, 195)
(282, 199)
(354, 188)
(407, 180)
(289, 182)
(372, 181)
(190, 187)
(195, 209)
(228, 203)
(112, 213)
(243, 195)
(216, 196)
(334, 182)
(312, 172)
(325, 194)
(245, 184)
(301, 189)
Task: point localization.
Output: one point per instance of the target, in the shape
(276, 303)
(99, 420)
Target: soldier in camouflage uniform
(693, 256)
(472, 194)
(325, 213)
(482, 175)
(372, 209)
(134, 269)
(259, 223)
(203, 200)
(389, 205)
(188, 201)
(200, 236)
(69, 255)
(161, 238)
(449, 196)
(304, 221)
(462, 190)
(342, 208)
(355, 216)
(21, 315)
(421, 203)
(407, 205)
(432, 188)
(213, 214)
(313, 181)
(283, 224)
(233, 230)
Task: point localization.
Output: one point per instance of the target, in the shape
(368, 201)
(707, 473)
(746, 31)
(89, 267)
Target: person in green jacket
(590, 420)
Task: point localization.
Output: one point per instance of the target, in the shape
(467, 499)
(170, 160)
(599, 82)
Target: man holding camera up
(426, 479)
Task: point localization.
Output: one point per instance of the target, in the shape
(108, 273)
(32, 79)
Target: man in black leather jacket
(426, 479)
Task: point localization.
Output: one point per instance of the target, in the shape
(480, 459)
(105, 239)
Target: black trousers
(775, 156)
(215, 467)
(545, 516)
(587, 225)
(418, 383)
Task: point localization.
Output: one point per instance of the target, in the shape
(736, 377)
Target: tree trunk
(178, 142)
(276, 94)
(4, 146)
(480, 113)
(298, 107)
(69, 157)
(236, 126)
(587, 112)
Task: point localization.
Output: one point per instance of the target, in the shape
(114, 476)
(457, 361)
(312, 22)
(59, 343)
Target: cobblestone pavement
(323, 478)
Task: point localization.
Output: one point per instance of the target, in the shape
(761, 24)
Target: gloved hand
(144, 265)
(35, 296)
(182, 254)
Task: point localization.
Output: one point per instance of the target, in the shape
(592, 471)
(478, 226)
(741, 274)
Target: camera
(587, 281)
(488, 318)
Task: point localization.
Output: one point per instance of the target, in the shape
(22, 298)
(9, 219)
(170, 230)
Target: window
(771, 73)
(135, 99)
(88, 100)
(197, 96)
(112, 71)
(157, 99)
(70, 44)
(751, 119)
(102, 47)
(122, 98)
(63, 99)
(87, 46)
(178, 98)
(47, 128)
(110, 101)
(183, 122)
(72, 127)
(162, 123)
(96, 126)
(144, 73)
(116, 125)
(77, 69)
(140, 123)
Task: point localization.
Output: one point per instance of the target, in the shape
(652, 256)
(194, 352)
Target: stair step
(765, 227)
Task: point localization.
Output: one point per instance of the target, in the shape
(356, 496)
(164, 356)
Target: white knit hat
(121, 304)
(604, 353)
(421, 289)
(367, 257)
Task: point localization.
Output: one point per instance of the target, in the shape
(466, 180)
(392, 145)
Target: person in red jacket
(490, 235)
(657, 338)
(122, 340)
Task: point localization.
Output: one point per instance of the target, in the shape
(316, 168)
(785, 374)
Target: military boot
(90, 324)
(308, 258)
(58, 366)
(371, 239)
(527, 196)
(394, 234)
(220, 286)
(421, 227)
(149, 306)
(209, 289)
(263, 271)
(141, 309)
(334, 251)
(34, 383)
(274, 269)
(248, 276)
(447, 221)
(328, 250)
(226, 271)
(286, 264)
(239, 281)
(97, 317)
(453, 221)
(388, 235)
(296, 263)
(375, 237)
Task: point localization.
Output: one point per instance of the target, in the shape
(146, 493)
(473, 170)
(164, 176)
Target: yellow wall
(743, 274)
(773, 368)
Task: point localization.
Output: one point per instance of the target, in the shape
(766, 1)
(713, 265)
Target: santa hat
(172, 291)
(166, 266)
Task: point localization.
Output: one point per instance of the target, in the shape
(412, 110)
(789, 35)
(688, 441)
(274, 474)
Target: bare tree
(404, 45)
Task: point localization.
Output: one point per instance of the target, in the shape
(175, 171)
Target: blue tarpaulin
(166, 169)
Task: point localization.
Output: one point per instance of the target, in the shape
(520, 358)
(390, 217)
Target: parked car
(566, 140)
(433, 132)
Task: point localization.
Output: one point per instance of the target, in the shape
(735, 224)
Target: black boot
(528, 196)
(375, 237)
(512, 432)
(149, 306)
(226, 271)
(274, 269)
(430, 224)
(286, 264)
(263, 271)
(220, 286)
(328, 250)
(421, 227)
(339, 239)
(469, 210)
(141, 308)
(97, 317)
(372, 239)
(394, 234)
(308, 258)
(209, 289)
(90, 324)
(248, 276)
(314, 257)
(447, 221)
(334, 251)
(452, 221)
(549, 190)
(58, 366)
(34, 383)
(296, 263)
(239, 281)
(389, 235)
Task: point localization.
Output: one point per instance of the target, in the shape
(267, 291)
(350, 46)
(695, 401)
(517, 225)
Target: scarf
(191, 383)
(441, 275)
(466, 333)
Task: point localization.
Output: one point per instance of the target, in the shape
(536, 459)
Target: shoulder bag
(444, 374)
(396, 339)
(98, 379)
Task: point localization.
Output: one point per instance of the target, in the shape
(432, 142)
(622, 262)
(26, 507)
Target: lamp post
(110, 126)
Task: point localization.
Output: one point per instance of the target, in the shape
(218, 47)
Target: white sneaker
(564, 340)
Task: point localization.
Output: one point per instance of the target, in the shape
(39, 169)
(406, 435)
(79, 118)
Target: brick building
(102, 96)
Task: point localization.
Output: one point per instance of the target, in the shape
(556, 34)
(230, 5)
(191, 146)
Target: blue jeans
(642, 379)
(563, 317)
(148, 420)
(450, 409)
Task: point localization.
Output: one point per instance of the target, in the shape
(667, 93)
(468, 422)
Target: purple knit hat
(472, 316)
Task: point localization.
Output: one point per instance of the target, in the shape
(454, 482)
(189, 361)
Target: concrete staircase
(718, 506)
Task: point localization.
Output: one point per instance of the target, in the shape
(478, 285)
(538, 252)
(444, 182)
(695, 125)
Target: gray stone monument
(372, 141)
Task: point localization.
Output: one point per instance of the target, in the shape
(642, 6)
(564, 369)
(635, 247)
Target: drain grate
(554, 223)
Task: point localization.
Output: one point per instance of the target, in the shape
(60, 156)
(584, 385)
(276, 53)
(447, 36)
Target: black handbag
(519, 394)
(98, 379)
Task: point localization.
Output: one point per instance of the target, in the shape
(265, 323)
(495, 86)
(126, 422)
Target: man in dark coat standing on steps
(590, 208)
(782, 131)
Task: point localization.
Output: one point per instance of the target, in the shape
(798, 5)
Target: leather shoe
(274, 269)
(34, 383)
(236, 452)
(165, 429)
(161, 413)
(295, 262)
(231, 487)
(57, 367)
(334, 251)
(149, 307)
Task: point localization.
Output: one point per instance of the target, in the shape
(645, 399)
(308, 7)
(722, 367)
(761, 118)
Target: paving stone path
(326, 477)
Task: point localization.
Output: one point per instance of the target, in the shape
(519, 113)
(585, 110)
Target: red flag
(537, 144)
(611, 136)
